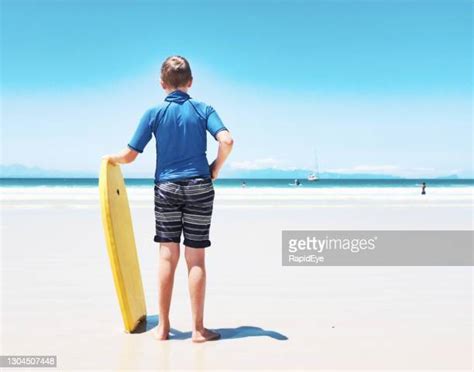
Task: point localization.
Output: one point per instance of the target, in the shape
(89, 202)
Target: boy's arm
(138, 142)
(126, 156)
(225, 147)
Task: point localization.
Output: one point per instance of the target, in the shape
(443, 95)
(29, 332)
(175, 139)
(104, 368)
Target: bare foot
(162, 332)
(205, 335)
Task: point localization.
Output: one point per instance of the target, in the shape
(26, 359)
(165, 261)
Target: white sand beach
(58, 296)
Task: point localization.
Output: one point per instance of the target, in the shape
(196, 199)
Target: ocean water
(84, 193)
(250, 183)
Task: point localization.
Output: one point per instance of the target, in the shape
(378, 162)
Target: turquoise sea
(250, 183)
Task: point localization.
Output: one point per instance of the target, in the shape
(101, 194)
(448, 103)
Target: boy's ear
(190, 83)
(163, 85)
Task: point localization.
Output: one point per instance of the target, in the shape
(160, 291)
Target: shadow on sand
(151, 322)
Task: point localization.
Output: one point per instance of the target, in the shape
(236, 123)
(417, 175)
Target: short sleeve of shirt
(143, 132)
(214, 122)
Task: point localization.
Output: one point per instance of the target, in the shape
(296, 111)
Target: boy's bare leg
(195, 260)
(169, 256)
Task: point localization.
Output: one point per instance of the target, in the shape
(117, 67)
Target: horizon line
(387, 178)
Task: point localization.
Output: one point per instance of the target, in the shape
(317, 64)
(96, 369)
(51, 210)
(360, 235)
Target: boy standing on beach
(184, 193)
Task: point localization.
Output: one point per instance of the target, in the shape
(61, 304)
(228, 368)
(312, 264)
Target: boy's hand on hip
(214, 171)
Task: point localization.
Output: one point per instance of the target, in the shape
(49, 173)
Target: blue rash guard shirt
(179, 125)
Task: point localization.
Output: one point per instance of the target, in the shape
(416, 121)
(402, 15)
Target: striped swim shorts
(184, 206)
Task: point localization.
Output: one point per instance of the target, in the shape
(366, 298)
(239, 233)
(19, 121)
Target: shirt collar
(177, 96)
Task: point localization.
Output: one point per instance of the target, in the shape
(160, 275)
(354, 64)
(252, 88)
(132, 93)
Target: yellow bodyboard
(120, 240)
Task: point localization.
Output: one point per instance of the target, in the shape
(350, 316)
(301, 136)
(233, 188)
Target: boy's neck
(184, 90)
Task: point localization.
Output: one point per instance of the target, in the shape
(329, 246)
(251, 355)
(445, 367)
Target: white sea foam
(79, 197)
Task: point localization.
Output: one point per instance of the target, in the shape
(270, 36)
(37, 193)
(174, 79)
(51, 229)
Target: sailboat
(314, 175)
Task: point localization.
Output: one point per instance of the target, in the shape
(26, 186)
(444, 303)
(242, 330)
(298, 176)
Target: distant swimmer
(297, 182)
(423, 188)
(243, 184)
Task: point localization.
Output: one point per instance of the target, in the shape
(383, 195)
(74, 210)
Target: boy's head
(176, 74)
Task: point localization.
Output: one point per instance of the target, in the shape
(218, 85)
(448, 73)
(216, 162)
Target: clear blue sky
(370, 84)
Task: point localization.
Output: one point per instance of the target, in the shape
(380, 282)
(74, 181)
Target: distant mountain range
(21, 171)
(299, 173)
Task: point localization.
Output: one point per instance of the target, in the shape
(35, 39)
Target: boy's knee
(169, 252)
(194, 256)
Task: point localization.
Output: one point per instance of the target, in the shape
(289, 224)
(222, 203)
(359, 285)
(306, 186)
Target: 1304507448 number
(21, 361)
